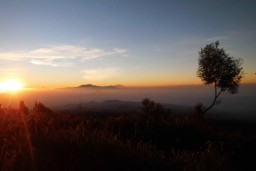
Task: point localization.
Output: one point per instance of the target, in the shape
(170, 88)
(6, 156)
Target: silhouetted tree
(41, 108)
(23, 108)
(40, 116)
(151, 108)
(197, 113)
(220, 69)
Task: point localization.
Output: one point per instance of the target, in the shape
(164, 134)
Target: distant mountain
(119, 86)
(87, 86)
(95, 86)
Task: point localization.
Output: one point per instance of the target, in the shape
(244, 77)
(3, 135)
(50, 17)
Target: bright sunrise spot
(11, 85)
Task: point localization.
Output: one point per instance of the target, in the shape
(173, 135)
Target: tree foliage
(219, 68)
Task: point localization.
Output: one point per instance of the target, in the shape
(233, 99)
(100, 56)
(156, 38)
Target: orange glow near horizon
(141, 83)
(14, 85)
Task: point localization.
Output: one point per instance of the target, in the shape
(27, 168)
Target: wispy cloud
(120, 51)
(59, 55)
(98, 74)
(53, 63)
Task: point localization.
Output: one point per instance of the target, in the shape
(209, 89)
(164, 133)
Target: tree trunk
(215, 98)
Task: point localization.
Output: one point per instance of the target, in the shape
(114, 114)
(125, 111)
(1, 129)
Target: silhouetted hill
(119, 86)
(96, 86)
(87, 86)
(116, 107)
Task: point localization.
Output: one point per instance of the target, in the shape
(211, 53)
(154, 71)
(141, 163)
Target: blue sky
(54, 43)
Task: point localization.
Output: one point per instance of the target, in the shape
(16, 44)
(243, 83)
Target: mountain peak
(95, 86)
(87, 86)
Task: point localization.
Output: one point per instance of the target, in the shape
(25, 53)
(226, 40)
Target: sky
(62, 43)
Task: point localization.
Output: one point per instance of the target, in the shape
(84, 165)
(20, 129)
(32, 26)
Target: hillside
(149, 139)
(115, 107)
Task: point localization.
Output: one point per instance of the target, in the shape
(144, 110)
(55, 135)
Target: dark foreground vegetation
(40, 139)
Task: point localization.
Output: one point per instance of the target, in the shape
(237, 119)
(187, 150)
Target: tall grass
(41, 139)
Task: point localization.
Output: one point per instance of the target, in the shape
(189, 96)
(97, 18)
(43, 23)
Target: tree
(220, 69)
(154, 110)
(23, 108)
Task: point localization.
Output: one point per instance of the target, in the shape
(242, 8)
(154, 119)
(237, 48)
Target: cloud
(47, 55)
(120, 51)
(52, 63)
(100, 73)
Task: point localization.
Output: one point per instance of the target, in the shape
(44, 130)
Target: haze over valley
(241, 105)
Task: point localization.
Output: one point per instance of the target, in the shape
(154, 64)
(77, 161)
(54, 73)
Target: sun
(11, 85)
